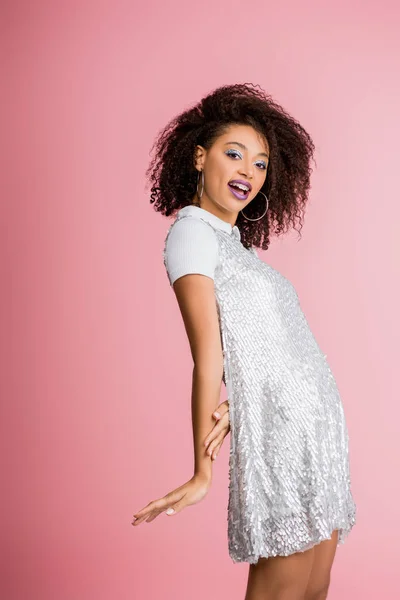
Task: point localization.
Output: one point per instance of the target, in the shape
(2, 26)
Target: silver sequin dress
(289, 478)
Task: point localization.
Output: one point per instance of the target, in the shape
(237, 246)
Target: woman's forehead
(245, 136)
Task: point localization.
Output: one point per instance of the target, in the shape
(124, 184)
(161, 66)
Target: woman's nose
(246, 169)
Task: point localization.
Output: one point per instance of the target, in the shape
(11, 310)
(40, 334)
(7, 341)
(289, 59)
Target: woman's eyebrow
(244, 148)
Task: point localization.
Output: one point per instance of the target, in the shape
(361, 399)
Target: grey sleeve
(190, 247)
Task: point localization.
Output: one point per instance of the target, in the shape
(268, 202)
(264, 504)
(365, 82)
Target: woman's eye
(236, 154)
(233, 153)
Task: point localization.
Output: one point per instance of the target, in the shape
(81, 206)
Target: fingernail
(216, 414)
(169, 511)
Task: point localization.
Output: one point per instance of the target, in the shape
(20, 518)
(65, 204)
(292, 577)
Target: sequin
(289, 478)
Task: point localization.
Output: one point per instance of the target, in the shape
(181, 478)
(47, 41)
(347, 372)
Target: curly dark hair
(173, 175)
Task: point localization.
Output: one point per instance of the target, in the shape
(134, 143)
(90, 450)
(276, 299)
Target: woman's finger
(137, 521)
(215, 443)
(216, 450)
(220, 426)
(144, 514)
(212, 436)
(154, 515)
(172, 509)
(160, 504)
(176, 508)
(222, 409)
(146, 510)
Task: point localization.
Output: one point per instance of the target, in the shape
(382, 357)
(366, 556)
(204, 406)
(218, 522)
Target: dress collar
(201, 213)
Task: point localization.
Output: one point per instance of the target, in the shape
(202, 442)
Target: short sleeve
(190, 247)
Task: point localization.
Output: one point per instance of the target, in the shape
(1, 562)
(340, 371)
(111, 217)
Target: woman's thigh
(324, 554)
(280, 577)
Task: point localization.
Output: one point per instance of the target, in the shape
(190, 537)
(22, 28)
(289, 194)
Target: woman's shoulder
(191, 233)
(190, 246)
(190, 224)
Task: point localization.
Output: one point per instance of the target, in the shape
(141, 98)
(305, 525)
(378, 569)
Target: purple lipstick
(240, 188)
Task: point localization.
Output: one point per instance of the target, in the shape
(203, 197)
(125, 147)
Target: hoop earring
(202, 184)
(266, 208)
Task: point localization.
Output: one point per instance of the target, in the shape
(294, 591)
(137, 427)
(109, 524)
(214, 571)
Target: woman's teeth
(239, 191)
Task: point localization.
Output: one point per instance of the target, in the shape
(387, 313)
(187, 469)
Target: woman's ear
(199, 156)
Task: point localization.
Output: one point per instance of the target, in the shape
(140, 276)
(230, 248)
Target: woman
(236, 169)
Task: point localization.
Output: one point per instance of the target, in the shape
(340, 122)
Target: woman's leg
(280, 577)
(300, 576)
(318, 584)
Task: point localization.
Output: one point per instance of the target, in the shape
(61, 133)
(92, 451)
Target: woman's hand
(189, 493)
(215, 438)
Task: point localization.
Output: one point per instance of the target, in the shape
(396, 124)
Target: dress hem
(343, 533)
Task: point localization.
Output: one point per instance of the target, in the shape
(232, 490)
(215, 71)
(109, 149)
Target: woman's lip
(246, 183)
(237, 195)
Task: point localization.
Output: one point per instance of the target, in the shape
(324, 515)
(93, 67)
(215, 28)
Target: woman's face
(238, 157)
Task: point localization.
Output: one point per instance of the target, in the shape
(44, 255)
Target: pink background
(95, 365)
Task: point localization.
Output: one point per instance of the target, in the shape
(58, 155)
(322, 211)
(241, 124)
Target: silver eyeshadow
(232, 151)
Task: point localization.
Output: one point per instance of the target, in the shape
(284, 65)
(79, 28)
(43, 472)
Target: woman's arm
(196, 298)
(191, 256)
